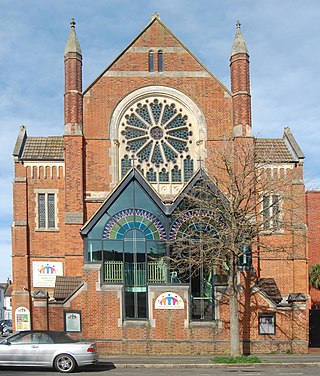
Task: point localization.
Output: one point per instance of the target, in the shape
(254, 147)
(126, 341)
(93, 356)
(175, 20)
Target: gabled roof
(200, 175)
(167, 209)
(278, 150)
(156, 18)
(270, 288)
(132, 175)
(66, 286)
(49, 148)
(43, 148)
(272, 150)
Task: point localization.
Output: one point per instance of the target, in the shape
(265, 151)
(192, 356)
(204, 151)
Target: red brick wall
(87, 168)
(166, 333)
(313, 236)
(313, 224)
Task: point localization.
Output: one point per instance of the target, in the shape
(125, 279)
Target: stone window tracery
(156, 135)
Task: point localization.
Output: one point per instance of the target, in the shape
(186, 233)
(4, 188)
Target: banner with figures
(45, 272)
(169, 300)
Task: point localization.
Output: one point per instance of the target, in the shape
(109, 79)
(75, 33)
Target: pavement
(204, 361)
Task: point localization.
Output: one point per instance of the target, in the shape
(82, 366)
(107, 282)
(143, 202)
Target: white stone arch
(163, 93)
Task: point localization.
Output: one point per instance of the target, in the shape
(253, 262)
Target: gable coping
(154, 19)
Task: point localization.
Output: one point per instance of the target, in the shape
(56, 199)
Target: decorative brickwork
(133, 141)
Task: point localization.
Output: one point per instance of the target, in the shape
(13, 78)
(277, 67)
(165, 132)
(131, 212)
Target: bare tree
(228, 215)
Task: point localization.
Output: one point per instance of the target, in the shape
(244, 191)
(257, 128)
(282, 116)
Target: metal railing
(135, 274)
(113, 271)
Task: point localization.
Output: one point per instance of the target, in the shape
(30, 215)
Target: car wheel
(64, 363)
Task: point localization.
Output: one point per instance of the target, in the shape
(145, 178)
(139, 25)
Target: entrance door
(135, 280)
(201, 295)
(314, 328)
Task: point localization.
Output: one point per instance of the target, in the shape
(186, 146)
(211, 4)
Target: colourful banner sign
(22, 317)
(169, 300)
(45, 272)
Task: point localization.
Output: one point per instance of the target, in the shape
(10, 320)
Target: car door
(47, 349)
(22, 348)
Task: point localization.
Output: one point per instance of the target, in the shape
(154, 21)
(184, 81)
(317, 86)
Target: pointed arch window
(191, 226)
(160, 61)
(188, 168)
(129, 241)
(151, 61)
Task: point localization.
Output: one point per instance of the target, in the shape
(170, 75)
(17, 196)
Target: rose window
(156, 136)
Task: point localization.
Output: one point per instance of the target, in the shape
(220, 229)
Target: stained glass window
(188, 168)
(151, 175)
(141, 219)
(158, 132)
(163, 175)
(125, 164)
(51, 211)
(42, 210)
(46, 211)
(176, 174)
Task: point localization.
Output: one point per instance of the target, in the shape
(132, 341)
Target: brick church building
(94, 209)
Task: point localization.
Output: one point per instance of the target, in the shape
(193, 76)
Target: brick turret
(73, 84)
(73, 146)
(240, 86)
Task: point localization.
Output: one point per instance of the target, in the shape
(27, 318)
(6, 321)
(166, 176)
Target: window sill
(143, 323)
(272, 232)
(47, 230)
(201, 324)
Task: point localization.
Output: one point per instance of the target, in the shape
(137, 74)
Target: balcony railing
(113, 271)
(135, 274)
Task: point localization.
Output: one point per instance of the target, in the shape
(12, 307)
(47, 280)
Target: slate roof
(66, 286)
(8, 290)
(273, 150)
(270, 288)
(43, 148)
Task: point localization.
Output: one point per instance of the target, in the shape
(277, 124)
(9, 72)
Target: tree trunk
(234, 311)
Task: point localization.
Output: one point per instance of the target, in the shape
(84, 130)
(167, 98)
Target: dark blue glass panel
(124, 200)
(136, 305)
(113, 250)
(97, 230)
(156, 249)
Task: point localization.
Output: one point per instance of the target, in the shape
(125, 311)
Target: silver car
(46, 349)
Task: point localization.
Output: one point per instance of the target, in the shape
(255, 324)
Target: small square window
(72, 321)
(267, 323)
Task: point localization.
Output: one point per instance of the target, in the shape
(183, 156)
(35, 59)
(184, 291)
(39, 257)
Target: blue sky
(283, 38)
